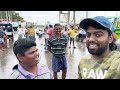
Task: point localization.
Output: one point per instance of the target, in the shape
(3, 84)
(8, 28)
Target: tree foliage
(10, 14)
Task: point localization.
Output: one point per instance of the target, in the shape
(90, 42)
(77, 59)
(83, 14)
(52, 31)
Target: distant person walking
(31, 33)
(2, 39)
(49, 34)
(21, 32)
(71, 33)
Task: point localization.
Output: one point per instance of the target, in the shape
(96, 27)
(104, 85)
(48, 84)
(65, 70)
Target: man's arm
(66, 43)
(79, 72)
(49, 49)
(69, 32)
(75, 31)
(49, 45)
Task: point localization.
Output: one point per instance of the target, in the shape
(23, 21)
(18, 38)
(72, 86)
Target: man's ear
(20, 57)
(111, 39)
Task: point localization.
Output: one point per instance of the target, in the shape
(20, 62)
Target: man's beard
(98, 51)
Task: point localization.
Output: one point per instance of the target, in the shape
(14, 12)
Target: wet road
(8, 59)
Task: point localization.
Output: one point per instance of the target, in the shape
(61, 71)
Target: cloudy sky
(40, 16)
(53, 16)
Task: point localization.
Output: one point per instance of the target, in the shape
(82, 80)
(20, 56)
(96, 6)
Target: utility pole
(11, 16)
(1, 14)
(87, 14)
(65, 13)
(68, 17)
(74, 20)
(6, 15)
(60, 12)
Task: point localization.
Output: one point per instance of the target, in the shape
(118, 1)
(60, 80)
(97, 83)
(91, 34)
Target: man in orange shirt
(114, 36)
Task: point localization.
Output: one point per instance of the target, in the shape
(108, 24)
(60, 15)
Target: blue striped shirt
(58, 46)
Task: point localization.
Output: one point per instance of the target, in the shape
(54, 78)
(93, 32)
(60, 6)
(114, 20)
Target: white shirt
(20, 31)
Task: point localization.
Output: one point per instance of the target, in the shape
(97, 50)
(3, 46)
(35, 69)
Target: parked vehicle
(15, 25)
(81, 35)
(40, 30)
(7, 27)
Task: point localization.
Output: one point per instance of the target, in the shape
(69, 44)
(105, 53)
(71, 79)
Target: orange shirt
(114, 35)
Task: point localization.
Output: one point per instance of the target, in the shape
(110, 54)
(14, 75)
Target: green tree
(10, 14)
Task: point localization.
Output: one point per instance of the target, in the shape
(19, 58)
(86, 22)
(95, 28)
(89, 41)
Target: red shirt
(50, 32)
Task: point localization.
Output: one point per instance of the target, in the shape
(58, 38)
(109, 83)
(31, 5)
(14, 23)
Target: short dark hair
(22, 45)
(51, 26)
(112, 45)
(19, 25)
(57, 24)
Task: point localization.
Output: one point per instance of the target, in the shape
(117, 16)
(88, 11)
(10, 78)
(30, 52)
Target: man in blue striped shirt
(57, 46)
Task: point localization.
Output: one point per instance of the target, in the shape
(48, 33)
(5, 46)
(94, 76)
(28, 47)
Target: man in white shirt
(21, 32)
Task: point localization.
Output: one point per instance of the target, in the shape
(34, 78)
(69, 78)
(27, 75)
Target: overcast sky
(53, 16)
(40, 16)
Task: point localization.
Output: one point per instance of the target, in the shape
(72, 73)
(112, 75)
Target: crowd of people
(3, 39)
(27, 32)
(103, 61)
